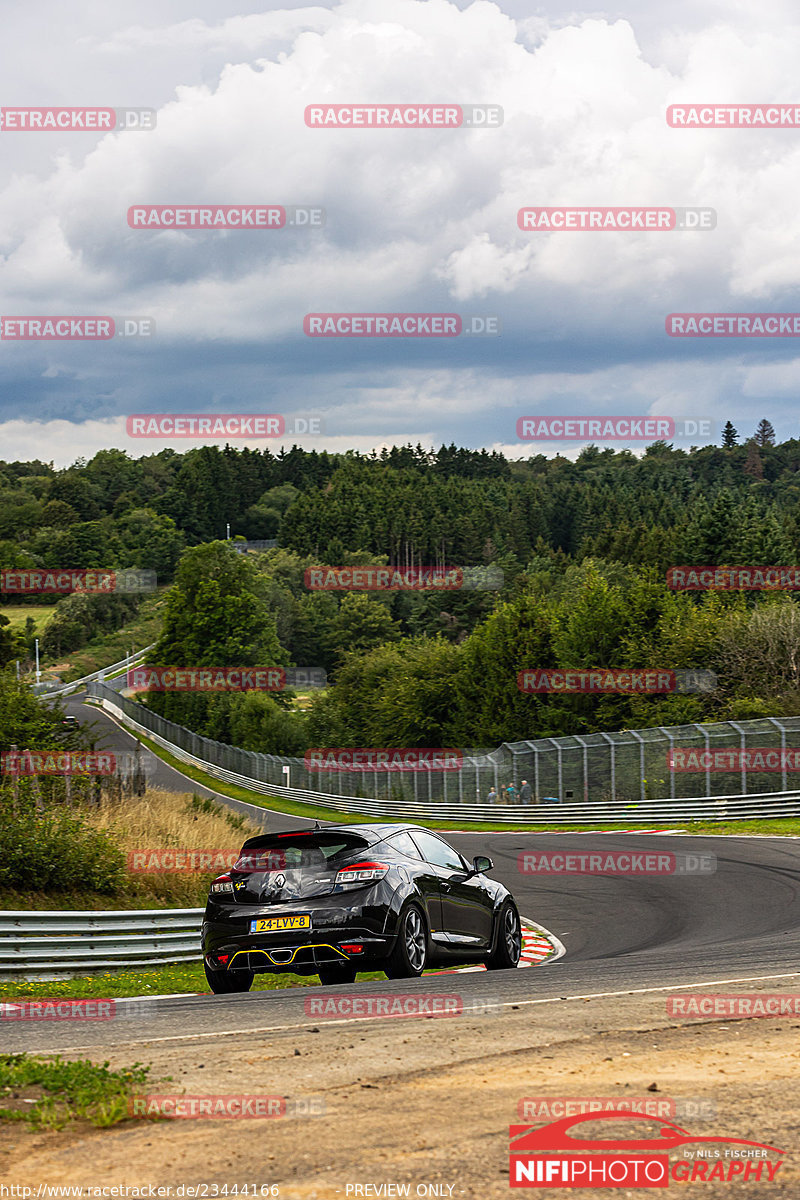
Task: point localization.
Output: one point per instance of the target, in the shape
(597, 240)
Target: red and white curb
(539, 945)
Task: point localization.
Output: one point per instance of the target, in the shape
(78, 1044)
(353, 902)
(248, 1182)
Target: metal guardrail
(33, 942)
(739, 807)
(260, 544)
(130, 660)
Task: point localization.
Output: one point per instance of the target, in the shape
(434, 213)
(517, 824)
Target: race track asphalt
(621, 933)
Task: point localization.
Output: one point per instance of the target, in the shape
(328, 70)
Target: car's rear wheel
(337, 974)
(223, 983)
(410, 953)
(507, 950)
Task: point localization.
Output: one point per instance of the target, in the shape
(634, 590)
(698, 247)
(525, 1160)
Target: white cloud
(416, 220)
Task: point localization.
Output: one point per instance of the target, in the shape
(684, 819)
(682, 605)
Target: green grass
(108, 648)
(47, 1093)
(776, 827)
(19, 613)
(162, 981)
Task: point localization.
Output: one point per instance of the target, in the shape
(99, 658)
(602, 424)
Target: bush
(57, 850)
(80, 617)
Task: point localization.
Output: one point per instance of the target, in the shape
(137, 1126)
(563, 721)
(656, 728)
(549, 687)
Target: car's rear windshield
(290, 852)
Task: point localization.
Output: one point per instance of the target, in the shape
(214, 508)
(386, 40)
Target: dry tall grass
(160, 819)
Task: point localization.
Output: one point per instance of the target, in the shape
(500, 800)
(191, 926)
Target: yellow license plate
(280, 924)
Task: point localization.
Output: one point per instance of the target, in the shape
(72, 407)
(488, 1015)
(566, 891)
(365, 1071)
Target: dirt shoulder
(428, 1101)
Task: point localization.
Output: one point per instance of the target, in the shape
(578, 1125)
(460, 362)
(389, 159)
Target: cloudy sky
(416, 220)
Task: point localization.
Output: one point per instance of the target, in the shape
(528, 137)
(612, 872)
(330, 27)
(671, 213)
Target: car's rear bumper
(303, 959)
(229, 944)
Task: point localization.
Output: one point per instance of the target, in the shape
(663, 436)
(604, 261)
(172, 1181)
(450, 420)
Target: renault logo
(280, 880)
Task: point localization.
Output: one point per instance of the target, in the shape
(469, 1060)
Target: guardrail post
(671, 760)
(640, 740)
(613, 769)
(782, 729)
(742, 748)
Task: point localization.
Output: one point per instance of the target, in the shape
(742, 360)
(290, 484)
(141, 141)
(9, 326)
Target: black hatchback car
(348, 898)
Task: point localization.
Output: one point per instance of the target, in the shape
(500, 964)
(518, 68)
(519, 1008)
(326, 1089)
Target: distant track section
(720, 808)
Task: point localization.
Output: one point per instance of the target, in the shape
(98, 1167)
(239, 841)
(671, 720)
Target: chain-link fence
(678, 762)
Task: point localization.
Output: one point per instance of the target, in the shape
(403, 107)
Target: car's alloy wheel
(414, 934)
(410, 952)
(512, 933)
(506, 953)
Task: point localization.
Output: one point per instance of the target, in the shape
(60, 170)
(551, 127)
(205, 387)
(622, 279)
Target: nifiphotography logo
(553, 1156)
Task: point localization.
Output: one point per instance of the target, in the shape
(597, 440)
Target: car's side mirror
(481, 864)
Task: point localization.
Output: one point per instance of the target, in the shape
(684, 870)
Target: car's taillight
(360, 874)
(221, 884)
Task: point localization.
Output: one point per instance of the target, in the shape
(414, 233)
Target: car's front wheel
(508, 947)
(223, 983)
(410, 953)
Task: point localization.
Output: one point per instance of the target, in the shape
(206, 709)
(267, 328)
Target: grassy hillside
(18, 614)
(111, 647)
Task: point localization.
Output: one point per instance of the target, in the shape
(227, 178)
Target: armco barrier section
(737, 806)
(131, 660)
(34, 942)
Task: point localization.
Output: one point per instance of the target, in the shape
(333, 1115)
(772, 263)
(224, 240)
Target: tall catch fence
(679, 762)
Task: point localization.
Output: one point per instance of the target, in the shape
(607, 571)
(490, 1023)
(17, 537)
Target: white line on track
(188, 1037)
